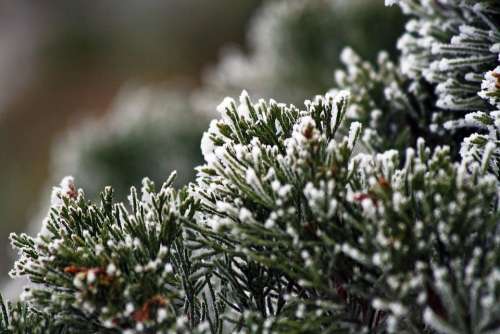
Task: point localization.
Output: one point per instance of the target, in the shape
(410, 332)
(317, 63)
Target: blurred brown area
(61, 61)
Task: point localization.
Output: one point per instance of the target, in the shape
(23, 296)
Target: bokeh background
(112, 91)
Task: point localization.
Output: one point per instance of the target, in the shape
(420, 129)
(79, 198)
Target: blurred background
(113, 91)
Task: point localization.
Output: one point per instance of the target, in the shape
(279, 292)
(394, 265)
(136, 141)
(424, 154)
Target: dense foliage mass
(374, 208)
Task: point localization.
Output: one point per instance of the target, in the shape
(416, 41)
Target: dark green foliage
(333, 218)
(110, 268)
(19, 318)
(360, 238)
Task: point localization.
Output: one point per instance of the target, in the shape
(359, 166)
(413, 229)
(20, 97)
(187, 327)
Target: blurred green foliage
(149, 131)
(294, 48)
(84, 52)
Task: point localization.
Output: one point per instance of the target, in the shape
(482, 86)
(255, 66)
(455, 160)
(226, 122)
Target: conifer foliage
(351, 214)
(452, 44)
